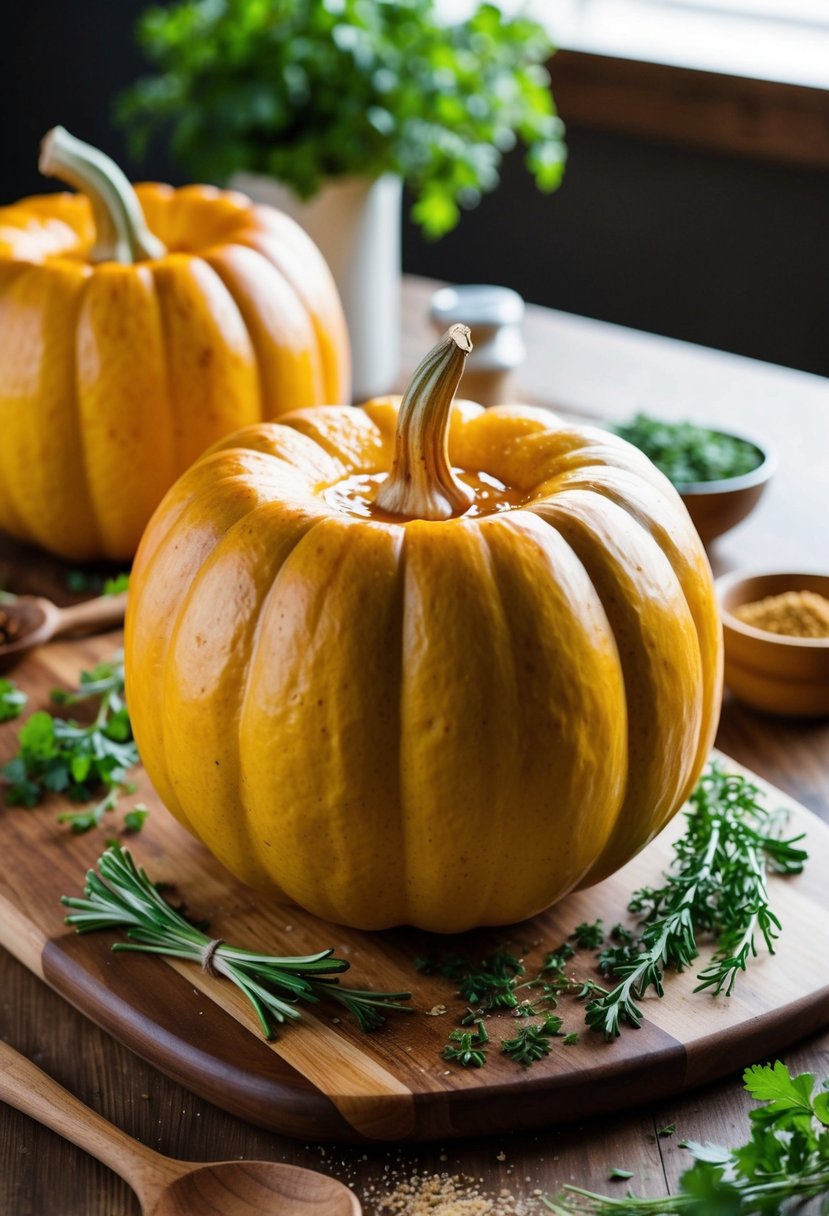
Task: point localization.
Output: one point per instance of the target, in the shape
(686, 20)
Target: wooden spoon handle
(107, 611)
(24, 1086)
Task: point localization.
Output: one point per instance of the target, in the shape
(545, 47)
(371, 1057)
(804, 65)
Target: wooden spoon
(166, 1187)
(38, 620)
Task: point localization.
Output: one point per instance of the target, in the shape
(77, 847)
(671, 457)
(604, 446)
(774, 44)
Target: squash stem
(122, 234)
(421, 483)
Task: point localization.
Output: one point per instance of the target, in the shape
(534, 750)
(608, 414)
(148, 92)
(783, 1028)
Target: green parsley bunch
(307, 90)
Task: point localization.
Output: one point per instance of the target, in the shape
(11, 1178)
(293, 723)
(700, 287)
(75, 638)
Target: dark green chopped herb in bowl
(719, 476)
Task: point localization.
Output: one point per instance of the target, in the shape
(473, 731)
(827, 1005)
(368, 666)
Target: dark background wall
(728, 252)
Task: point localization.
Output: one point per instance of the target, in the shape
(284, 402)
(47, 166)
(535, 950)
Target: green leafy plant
(121, 896)
(59, 755)
(687, 453)
(307, 90)
(12, 700)
(786, 1158)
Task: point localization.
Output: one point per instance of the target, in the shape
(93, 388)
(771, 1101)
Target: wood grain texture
(324, 1077)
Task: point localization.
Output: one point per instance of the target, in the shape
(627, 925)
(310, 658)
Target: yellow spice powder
(797, 614)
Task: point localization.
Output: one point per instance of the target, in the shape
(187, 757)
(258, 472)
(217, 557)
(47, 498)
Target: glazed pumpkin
(137, 328)
(444, 695)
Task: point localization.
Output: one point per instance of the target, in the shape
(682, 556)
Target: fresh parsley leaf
(785, 1160)
(114, 586)
(306, 91)
(12, 700)
(134, 819)
(589, 936)
(60, 755)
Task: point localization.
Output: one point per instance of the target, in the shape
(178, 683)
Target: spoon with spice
(166, 1187)
(31, 620)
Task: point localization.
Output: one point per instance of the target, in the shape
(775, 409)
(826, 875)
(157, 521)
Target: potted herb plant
(339, 102)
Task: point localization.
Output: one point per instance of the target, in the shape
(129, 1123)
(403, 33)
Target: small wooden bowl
(769, 671)
(716, 507)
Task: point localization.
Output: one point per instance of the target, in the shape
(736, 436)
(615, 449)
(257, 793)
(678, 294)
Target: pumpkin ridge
(228, 681)
(91, 527)
(301, 395)
(669, 771)
(625, 488)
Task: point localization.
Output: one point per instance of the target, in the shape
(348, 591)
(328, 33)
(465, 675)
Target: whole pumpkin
(128, 347)
(443, 696)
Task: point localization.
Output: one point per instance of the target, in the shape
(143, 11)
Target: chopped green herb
(114, 586)
(120, 895)
(84, 821)
(617, 1173)
(668, 1130)
(57, 755)
(12, 700)
(134, 819)
(556, 960)
(466, 1048)
(686, 453)
(571, 1039)
(530, 1044)
(589, 936)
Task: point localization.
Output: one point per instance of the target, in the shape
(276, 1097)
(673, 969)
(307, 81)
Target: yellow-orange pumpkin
(444, 696)
(127, 348)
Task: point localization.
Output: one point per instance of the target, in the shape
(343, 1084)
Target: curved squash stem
(421, 483)
(122, 234)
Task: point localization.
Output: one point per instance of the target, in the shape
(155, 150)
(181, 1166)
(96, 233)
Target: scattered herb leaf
(589, 936)
(134, 819)
(785, 1158)
(58, 755)
(466, 1048)
(12, 700)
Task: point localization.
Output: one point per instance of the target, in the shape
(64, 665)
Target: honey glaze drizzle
(355, 495)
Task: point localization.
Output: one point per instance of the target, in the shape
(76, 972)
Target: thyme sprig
(121, 896)
(716, 885)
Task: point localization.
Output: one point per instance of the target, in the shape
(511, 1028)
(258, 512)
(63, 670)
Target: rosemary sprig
(121, 896)
(716, 885)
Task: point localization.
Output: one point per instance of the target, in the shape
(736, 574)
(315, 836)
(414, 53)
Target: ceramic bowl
(768, 671)
(717, 506)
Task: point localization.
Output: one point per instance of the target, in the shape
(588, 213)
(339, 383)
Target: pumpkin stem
(421, 483)
(122, 234)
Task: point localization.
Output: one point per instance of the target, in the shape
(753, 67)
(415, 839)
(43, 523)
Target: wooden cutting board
(328, 1080)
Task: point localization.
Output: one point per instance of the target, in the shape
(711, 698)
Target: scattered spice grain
(797, 614)
(446, 1195)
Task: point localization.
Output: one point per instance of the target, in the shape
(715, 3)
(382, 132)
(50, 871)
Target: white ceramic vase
(355, 223)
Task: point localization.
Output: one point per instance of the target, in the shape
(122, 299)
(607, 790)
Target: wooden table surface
(578, 366)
